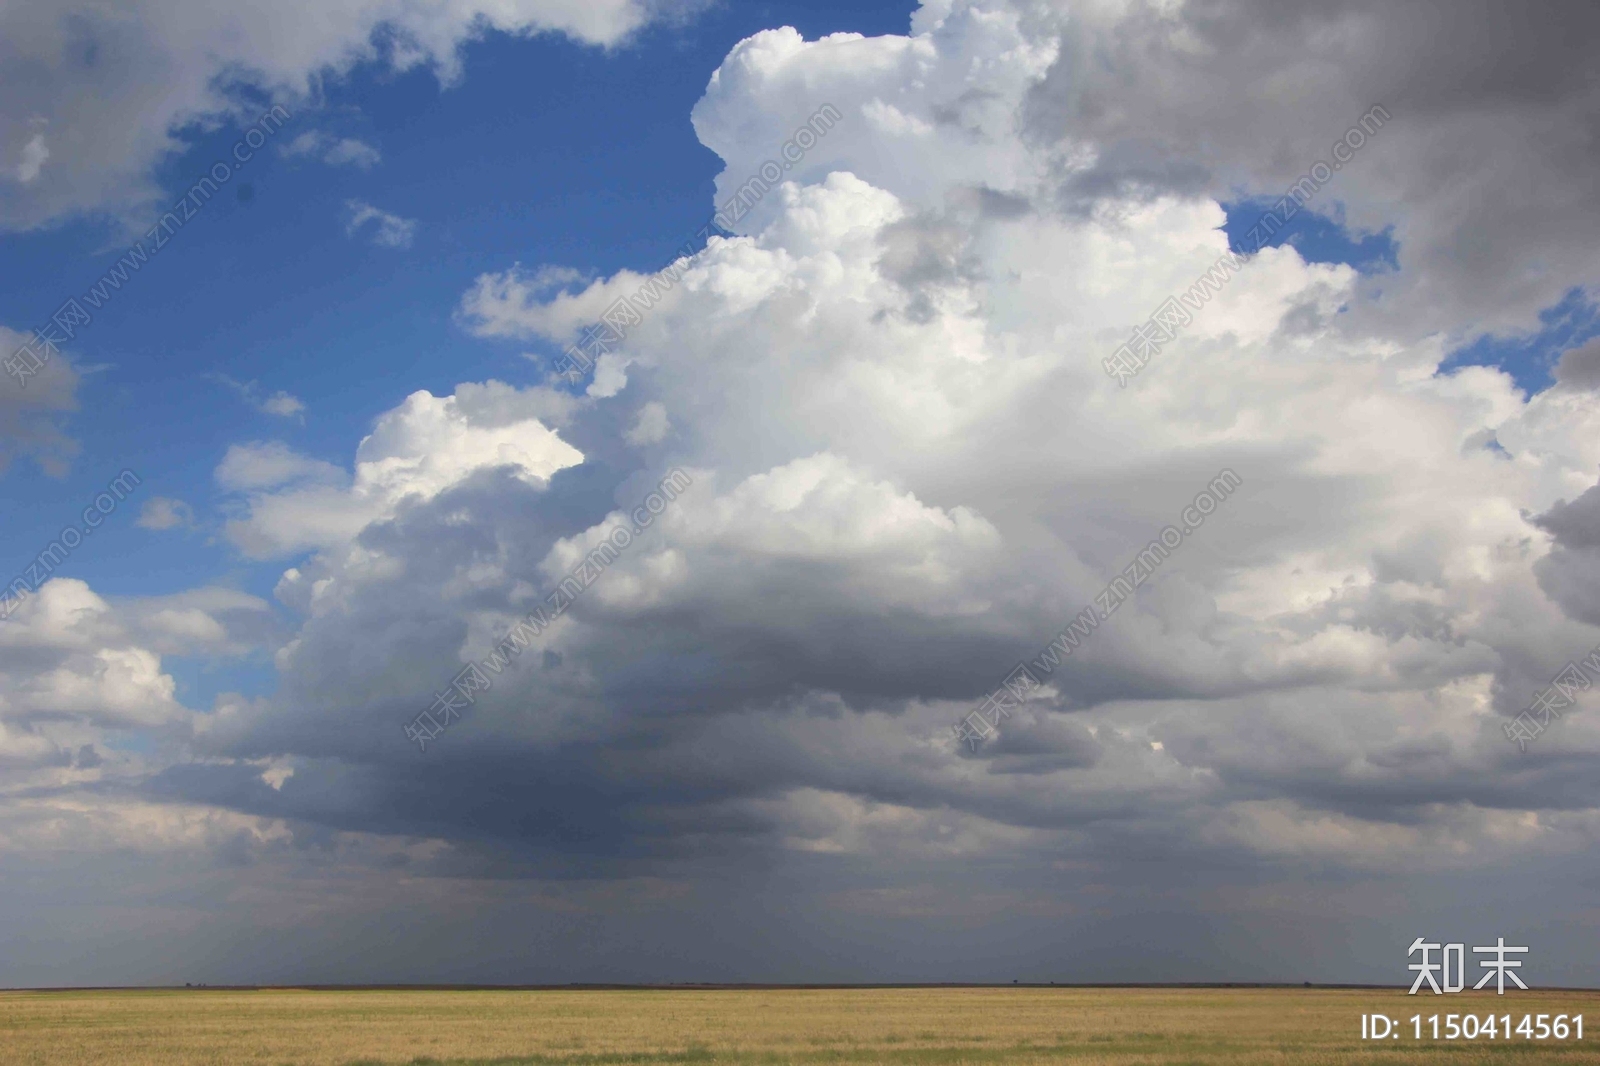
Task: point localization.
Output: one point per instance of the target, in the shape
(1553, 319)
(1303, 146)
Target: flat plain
(842, 1027)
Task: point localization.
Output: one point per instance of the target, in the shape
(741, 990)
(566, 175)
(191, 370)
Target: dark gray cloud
(33, 408)
(1485, 172)
(1579, 367)
(1570, 574)
(1575, 524)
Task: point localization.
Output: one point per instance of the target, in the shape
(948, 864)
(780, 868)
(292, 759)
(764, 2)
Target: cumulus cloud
(66, 656)
(910, 469)
(98, 126)
(389, 231)
(414, 452)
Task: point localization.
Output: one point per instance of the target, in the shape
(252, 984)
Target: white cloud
(517, 303)
(336, 152)
(348, 151)
(34, 156)
(281, 404)
(66, 655)
(306, 143)
(391, 231)
(163, 512)
(898, 369)
(416, 451)
(209, 621)
(270, 464)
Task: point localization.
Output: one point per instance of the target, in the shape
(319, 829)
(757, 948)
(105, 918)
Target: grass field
(278, 1027)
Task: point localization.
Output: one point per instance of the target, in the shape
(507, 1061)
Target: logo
(1498, 968)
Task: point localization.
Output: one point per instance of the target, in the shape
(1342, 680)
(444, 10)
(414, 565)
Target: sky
(669, 490)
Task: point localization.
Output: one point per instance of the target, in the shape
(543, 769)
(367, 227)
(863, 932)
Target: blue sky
(1530, 357)
(1317, 237)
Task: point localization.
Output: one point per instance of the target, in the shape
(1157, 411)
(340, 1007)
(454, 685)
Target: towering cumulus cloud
(907, 470)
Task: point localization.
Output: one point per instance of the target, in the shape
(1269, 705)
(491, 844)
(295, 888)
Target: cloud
(270, 464)
(336, 152)
(34, 156)
(650, 425)
(1575, 524)
(32, 408)
(516, 303)
(100, 126)
(163, 512)
(306, 143)
(66, 656)
(1579, 368)
(1229, 96)
(415, 452)
(353, 153)
(1570, 574)
(910, 469)
(391, 231)
(210, 621)
(281, 404)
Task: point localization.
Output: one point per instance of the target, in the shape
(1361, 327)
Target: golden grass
(1236, 1027)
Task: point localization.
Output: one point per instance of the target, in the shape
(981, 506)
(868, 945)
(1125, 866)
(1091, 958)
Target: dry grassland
(279, 1027)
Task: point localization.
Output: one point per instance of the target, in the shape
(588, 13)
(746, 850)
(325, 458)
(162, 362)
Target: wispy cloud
(334, 151)
(164, 512)
(270, 464)
(390, 231)
(282, 404)
(34, 155)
